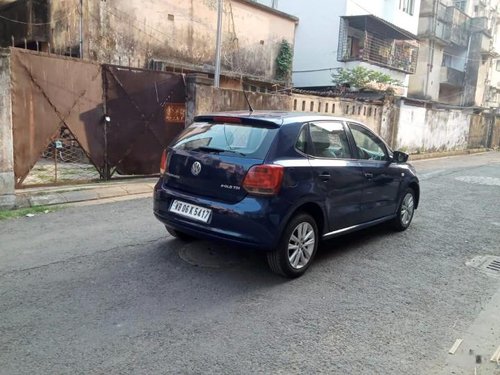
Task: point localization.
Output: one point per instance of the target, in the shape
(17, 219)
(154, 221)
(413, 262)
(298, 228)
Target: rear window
(231, 139)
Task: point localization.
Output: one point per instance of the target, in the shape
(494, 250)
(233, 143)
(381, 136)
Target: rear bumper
(253, 222)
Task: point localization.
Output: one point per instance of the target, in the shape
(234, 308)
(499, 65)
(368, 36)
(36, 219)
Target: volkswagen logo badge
(196, 168)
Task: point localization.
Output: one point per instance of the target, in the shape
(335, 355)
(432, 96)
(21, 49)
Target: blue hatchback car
(281, 182)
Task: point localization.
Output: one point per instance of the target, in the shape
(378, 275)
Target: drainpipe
(220, 4)
(432, 46)
(81, 29)
(466, 67)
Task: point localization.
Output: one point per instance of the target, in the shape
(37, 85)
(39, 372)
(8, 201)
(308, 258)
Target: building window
(407, 6)
(461, 5)
(326, 107)
(303, 105)
(333, 108)
(311, 107)
(347, 110)
(295, 104)
(447, 59)
(319, 107)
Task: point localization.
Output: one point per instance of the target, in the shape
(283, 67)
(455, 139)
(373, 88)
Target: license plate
(191, 211)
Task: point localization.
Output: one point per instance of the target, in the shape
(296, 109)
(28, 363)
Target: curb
(82, 193)
(435, 155)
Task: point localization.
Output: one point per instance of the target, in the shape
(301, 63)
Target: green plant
(11, 214)
(284, 61)
(362, 78)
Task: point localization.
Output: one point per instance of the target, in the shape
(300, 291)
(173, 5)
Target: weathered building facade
(457, 52)
(379, 35)
(158, 34)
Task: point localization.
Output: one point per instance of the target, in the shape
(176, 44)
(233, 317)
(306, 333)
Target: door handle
(368, 175)
(325, 176)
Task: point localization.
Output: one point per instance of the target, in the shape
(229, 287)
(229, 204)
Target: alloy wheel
(407, 209)
(301, 245)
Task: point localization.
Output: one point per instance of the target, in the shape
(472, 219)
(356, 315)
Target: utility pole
(220, 5)
(81, 29)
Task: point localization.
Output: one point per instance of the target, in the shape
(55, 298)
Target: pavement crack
(80, 257)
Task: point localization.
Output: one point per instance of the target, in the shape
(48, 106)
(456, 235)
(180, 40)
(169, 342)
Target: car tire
(180, 235)
(297, 247)
(406, 210)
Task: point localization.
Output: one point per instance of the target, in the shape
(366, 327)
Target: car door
(337, 174)
(381, 177)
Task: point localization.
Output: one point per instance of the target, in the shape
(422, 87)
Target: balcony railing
(459, 26)
(447, 24)
(32, 22)
(398, 53)
(480, 24)
(451, 77)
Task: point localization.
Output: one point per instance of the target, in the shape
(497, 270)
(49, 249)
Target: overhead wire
(313, 70)
(40, 23)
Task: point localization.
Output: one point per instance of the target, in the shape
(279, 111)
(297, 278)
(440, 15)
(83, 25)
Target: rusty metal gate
(145, 111)
(76, 121)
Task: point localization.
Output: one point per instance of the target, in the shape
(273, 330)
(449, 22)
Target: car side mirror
(399, 157)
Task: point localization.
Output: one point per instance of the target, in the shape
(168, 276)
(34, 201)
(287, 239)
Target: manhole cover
(213, 255)
(489, 264)
(478, 180)
(494, 266)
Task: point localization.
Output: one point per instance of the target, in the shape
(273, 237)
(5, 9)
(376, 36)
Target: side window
(368, 145)
(301, 144)
(329, 140)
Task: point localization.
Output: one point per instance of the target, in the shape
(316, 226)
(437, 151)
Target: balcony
(481, 24)
(32, 25)
(459, 26)
(375, 41)
(451, 77)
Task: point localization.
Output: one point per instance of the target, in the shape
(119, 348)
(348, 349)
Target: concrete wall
(495, 134)
(368, 113)
(480, 127)
(425, 83)
(202, 98)
(178, 32)
(7, 197)
(403, 125)
(422, 129)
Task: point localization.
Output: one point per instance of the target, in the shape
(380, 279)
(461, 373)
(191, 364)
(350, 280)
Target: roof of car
(276, 117)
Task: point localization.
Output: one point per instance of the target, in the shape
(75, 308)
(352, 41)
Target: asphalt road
(103, 289)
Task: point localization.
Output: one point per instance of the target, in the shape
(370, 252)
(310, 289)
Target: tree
(363, 78)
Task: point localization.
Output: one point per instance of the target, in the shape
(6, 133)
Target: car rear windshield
(223, 138)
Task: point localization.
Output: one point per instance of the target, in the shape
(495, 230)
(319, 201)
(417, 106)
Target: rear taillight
(163, 163)
(264, 179)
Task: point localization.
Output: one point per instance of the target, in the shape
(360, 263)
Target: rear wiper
(216, 150)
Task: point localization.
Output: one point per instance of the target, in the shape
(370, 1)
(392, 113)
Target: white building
(378, 34)
(458, 53)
